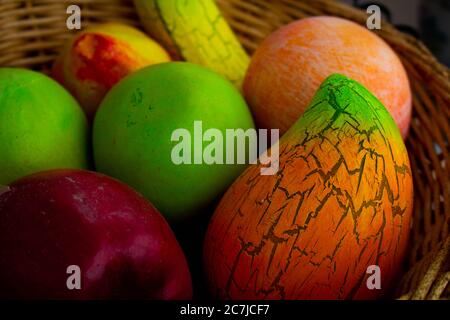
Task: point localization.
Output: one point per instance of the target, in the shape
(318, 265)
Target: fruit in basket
(292, 62)
(144, 121)
(97, 58)
(339, 206)
(197, 32)
(41, 125)
(54, 222)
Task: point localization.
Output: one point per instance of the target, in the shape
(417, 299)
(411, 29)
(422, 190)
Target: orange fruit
(289, 66)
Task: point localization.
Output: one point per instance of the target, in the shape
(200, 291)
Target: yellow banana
(196, 31)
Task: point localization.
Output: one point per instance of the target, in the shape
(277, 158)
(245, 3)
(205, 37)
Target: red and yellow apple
(97, 58)
(123, 247)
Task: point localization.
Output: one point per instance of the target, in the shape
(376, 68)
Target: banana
(196, 31)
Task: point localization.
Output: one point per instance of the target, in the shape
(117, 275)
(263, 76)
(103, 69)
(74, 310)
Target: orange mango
(339, 206)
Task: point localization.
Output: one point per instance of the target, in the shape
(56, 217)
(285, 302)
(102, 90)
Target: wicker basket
(32, 32)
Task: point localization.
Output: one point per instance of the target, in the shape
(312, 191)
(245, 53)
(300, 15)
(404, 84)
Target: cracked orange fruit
(292, 62)
(338, 207)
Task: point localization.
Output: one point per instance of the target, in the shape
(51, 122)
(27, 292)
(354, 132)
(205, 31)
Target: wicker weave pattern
(33, 31)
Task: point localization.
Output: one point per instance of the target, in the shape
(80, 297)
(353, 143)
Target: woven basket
(32, 32)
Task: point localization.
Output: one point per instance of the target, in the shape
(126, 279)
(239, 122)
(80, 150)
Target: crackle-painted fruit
(100, 56)
(197, 32)
(41, 125)
(61, 226)
(290, 64)
(136, 134)
(340, 203)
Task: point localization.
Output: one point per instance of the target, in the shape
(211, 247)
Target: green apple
(41, 125)
(143, 122)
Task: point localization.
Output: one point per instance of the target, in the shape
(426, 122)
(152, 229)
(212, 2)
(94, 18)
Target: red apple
(122, 245)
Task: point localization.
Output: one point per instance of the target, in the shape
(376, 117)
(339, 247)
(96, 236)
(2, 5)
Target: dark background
(428, 20)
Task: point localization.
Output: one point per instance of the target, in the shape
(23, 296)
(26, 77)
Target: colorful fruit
(289, 66)
(41, 125)
(135, 126)
(54, 222)
(100, 56)
(197, 32)
(340, 203)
